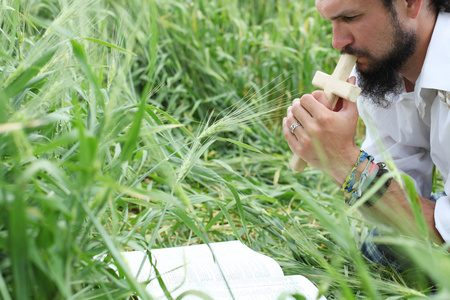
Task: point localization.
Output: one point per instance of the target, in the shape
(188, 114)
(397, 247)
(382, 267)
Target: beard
(382, 81)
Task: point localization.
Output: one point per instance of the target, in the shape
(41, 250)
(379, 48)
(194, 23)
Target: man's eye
(351, 18)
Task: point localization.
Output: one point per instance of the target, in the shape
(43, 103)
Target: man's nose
(341, 37)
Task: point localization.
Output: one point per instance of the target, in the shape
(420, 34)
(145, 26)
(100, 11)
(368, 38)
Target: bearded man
(403, 68)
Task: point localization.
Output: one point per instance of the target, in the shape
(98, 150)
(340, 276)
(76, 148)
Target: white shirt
(415, 130)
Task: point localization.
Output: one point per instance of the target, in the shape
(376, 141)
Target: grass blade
(22, 79)
(109, 45)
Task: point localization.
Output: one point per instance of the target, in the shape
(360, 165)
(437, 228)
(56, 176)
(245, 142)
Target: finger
(290, 118)
(348, 106)
(342, 102)
(295, 127)
(313, 105)
(350, 109)
(352, 80)
(289, 112)
(295, 104)
(299, 111)
(321, 97)
(290, 138)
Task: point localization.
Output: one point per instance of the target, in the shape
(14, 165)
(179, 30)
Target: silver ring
(295, 125)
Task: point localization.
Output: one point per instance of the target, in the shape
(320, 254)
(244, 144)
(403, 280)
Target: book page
(237, 262)
(255, 289)
(194, 267)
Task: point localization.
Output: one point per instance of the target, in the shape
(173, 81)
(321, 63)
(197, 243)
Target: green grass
(142, 124)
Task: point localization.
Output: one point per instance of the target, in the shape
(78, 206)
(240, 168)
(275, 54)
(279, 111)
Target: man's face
(373, 33)
(381, 77)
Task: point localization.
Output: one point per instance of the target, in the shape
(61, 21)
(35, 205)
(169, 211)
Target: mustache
(356, 51)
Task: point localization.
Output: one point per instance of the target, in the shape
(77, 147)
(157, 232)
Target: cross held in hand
(336, 85)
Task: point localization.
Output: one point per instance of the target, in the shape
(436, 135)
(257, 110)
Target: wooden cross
(335, 86)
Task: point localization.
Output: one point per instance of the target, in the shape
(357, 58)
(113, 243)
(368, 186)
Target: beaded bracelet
(366, 175)
(375, 173)
(372, 174)
(349, 181)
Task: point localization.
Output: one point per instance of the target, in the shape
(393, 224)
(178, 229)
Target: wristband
(366, 175)
(349, 181)
(382, 170)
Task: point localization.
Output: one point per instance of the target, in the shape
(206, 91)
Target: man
(403, 69)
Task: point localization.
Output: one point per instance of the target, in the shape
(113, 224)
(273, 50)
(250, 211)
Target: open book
(237, 272)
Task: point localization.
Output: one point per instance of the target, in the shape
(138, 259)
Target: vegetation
(149, 123)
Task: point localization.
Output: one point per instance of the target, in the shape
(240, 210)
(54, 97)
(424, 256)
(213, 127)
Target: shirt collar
(435, 72)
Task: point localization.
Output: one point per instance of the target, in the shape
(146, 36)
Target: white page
(255, 289)
(236, 260)
(193, 267)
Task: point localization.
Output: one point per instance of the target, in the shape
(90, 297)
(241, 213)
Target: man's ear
(413, 7)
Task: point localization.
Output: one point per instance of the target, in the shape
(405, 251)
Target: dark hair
(436, 5)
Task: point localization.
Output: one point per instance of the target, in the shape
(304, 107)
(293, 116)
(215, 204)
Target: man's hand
(326, 138)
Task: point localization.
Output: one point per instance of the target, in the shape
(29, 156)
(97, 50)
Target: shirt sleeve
(442, 213)
(441, 217)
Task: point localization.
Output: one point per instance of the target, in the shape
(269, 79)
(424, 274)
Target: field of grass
(157, 123)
